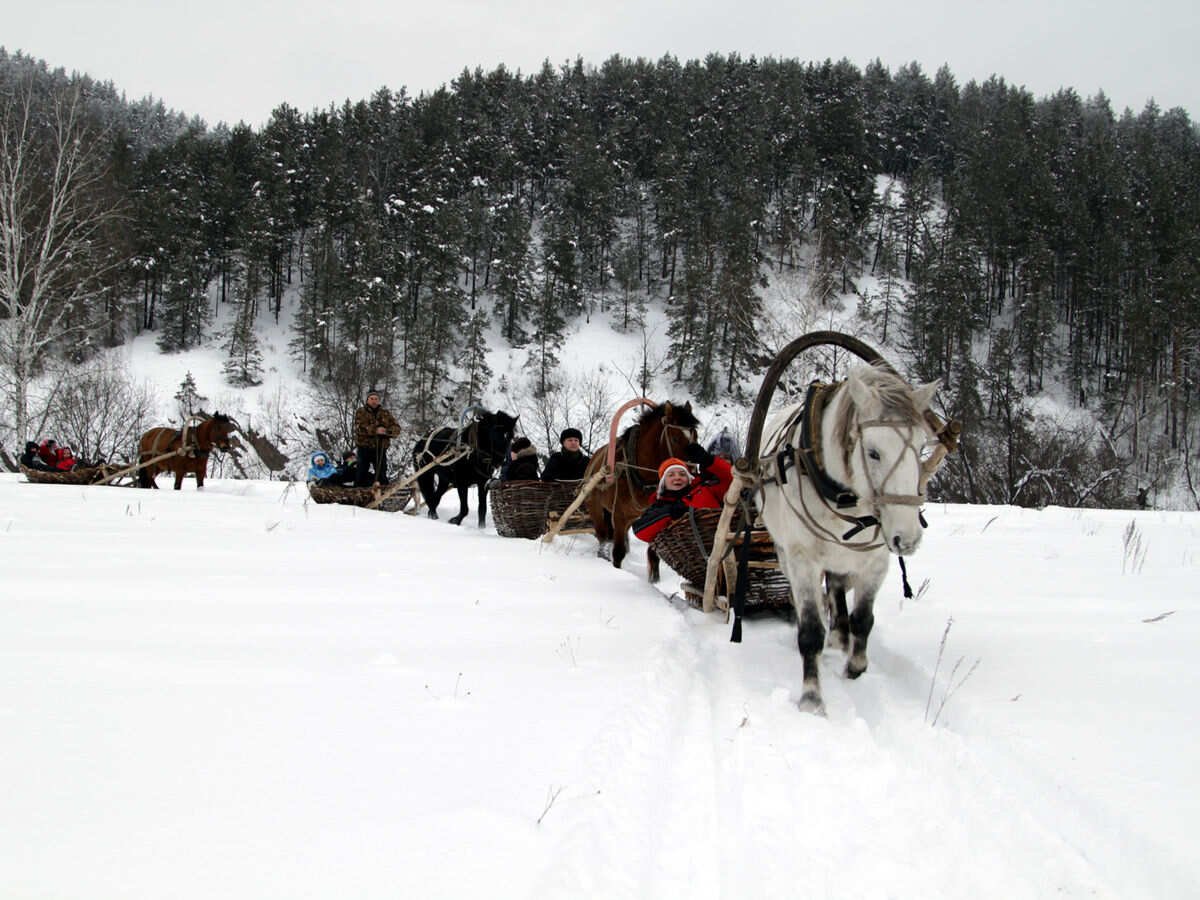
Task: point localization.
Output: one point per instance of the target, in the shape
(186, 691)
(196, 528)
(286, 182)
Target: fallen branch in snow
(551, 795)
(1160, 616)
(951, 685)
(1135, 552)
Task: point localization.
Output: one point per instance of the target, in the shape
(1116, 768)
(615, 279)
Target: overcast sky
(238, 59)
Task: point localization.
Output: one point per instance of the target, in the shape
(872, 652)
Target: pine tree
(188, 398)
(244, 364)
(477, 373)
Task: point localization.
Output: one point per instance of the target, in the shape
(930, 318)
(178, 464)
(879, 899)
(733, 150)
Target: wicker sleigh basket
(524, 509)
(90, 475)
(686, 543)
(359, 496)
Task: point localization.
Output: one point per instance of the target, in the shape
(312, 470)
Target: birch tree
(55, 258)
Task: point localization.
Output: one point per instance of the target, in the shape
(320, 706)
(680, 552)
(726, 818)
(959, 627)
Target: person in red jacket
(678, 490)
(60, 459)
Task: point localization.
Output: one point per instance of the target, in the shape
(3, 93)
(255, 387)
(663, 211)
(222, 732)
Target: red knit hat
(670, 464)
(667, 463)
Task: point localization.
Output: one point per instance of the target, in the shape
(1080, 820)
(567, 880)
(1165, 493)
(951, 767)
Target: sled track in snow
(662, 797)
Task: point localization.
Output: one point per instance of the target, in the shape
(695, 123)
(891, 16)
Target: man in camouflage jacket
(373, 429)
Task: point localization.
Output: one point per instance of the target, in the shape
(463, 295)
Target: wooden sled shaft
(452, 455)
(587, 488)
(141, 465)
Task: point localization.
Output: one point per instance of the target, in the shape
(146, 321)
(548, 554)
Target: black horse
(487, 439)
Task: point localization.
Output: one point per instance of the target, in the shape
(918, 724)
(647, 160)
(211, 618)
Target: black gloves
(697, 454)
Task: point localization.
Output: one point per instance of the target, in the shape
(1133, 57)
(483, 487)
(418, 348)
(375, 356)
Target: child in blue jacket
(320, 467)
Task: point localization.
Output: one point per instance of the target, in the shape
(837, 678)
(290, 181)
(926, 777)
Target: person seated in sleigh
(58, 459)
(31, 459)
(320, 467)
(569, 463)
(345, 474)
(679, 490)
(522, 462)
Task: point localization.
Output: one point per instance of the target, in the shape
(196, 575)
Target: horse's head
(221, 431)
(664, 431)
(499, 430)
(882, 432)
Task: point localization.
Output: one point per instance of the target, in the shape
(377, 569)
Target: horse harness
(465, 442)
(189, 446)
(807, 459)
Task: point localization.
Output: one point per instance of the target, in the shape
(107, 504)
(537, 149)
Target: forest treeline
(1004, 243)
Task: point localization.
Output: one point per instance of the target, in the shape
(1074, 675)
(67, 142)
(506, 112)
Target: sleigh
(529, 509)
(687, 544)
(367, 497)
(90, 475)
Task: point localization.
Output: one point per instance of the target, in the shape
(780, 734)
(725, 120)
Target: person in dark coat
(30, 459)
(374, 427)
(522, 462)
(678, 490)
(346, 473)
(569, 463)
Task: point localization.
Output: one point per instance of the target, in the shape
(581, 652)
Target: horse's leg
(439, 491)
(620, 537)
(201, 471)
(862, 617)
(426, 484)
(601, 522)
(179, 473)
(652, 565)
(462, 487)
(482, 489)
(805, 580)
(835, 604)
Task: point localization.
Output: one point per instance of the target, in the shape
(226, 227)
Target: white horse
(842, 485)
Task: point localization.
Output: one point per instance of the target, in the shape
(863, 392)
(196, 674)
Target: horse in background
(488, 439)
(660, 432)
(215, 431)
(851, 499)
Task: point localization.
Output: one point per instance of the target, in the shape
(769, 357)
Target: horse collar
(809, 451)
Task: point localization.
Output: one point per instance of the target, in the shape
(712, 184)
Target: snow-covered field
(236, 693)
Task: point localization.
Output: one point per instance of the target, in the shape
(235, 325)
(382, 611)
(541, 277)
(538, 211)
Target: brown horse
(661, 432)
(213, 432)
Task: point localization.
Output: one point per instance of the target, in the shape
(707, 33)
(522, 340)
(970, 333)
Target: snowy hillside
(235, 693)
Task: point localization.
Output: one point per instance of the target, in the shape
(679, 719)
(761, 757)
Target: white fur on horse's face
(892, 468)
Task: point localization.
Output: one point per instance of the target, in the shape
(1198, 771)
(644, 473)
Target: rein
(807, 458)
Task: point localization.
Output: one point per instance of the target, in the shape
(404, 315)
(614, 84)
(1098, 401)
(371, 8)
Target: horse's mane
(895, 396)
(681, 415)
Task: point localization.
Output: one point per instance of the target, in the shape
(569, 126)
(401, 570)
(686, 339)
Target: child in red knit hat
(678, 490)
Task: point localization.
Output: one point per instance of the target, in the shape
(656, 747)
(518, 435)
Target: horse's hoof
(811, 702)
(838, 641)
(433, 514)
(456, 520)
(855, 666)
(604, 552)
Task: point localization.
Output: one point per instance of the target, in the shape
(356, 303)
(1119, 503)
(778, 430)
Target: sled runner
(366, 497)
